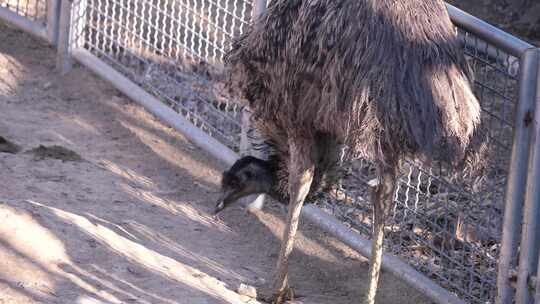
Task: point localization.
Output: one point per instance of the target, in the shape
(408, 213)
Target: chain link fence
(35, 10)
(38, 17)
(172, 49)
(446, 224)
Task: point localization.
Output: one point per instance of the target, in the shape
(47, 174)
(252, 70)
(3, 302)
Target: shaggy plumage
(385, 78)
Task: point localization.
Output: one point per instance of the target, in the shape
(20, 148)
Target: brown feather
(387, 78)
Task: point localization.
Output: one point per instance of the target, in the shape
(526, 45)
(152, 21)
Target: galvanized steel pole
(535, 175)
(517, 177)
(528, 255)
(483, 30)
(63, 57)
(53, 16)
(530, 244)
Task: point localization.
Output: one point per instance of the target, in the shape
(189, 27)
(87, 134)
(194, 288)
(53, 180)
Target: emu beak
(228, 196)
(219, 206)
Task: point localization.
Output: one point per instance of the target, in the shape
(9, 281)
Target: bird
(386, 79)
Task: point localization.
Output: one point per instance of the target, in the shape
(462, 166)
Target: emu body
(386, 78)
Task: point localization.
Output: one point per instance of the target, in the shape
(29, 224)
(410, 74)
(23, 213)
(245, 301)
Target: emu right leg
(301, 170)
(383, 201)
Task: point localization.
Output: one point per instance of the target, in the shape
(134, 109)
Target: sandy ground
(102, 203)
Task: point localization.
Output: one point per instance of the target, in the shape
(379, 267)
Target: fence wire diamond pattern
(445, 224)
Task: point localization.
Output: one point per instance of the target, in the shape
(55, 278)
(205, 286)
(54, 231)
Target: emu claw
(288, 294)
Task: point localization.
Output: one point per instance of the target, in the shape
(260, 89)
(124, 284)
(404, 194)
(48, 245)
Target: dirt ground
(102, 203)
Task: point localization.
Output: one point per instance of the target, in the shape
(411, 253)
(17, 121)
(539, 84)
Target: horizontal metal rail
(535, 175)
(53, 19)
(508, 43)
(154, 106)
(390, 263)
(529, 245)
(25, 24)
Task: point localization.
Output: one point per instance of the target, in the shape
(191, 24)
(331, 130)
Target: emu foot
(288, 294)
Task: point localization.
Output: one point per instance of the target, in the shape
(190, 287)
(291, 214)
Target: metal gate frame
(522, 199)
(47, 31)
(526, 132)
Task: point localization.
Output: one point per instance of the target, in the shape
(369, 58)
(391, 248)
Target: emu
(385, 78)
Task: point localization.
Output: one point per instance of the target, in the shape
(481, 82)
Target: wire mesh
(445, 224)
(35, 10)
(171, 48)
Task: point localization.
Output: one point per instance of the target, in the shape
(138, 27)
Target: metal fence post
(72, 23)
(536, 170)
(529, 247)
(63, 59)
(528, 255)
(53, 16)
(517, 178)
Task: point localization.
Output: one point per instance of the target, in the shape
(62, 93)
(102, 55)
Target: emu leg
(301, 169)
(383, 201)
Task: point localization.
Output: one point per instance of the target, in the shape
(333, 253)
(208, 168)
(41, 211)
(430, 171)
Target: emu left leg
(301, 170)
(383, 200)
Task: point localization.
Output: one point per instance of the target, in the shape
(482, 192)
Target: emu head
(248, 175)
